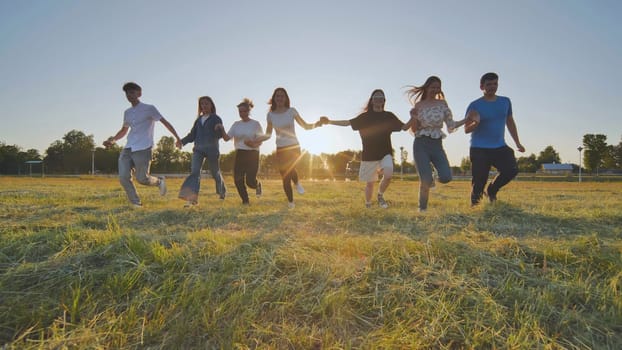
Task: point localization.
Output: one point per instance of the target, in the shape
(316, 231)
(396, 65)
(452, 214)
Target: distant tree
(595, 149)
(227, 161)
(616, 154)
(185, 160)
(166, 156)
(305, 165)
(465, 165)
(609, 161)
(32, 154)
(9, 159)
(54, 157)
(528, 164)
(107, 159)
(268, 164)
(71, 155)
(548, 155)
(337, 162)
(77, 151)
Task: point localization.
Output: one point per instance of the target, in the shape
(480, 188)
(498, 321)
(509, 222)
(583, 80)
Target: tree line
(76, 152)
(596, 154)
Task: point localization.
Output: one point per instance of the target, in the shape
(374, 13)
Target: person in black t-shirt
(375, 126)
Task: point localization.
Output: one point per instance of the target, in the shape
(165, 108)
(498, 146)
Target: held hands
(472, 121)
(520, 147)
(253, 143)
(178, 144)
(109, 142)
(323, 121)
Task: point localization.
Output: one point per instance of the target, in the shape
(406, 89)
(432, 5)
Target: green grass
(541, 269)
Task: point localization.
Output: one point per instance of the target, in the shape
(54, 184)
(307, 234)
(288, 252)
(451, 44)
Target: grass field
(540, 269)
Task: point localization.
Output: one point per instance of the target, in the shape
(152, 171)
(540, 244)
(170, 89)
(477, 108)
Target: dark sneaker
(492, 196)
(381, 202)
(258, 191)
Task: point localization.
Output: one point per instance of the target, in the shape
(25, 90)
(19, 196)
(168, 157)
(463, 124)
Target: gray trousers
(427, 152)
(138, 162)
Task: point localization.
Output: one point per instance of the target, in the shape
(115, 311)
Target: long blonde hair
(418, 93)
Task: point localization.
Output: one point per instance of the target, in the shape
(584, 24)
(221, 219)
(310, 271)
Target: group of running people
(486, 119)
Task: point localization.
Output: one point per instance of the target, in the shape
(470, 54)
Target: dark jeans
(482, 159)
(288, 157)
(245, 170)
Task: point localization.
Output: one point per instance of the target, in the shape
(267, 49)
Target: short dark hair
(488, 76)
(131, 86)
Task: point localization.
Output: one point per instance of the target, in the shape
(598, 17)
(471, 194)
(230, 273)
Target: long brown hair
(418, 93)
(213, 111)
(271, 102)
(369, 105)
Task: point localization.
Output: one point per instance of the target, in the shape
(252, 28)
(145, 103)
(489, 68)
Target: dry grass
(79, 269)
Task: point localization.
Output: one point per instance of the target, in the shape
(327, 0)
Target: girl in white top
(427, 116)
(244, 133)
(281, 118)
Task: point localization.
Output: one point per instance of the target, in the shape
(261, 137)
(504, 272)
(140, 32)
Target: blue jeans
(190, 188)
(139, 162)
(427, 152)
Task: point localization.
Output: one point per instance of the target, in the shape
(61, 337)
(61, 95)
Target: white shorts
(368, 172)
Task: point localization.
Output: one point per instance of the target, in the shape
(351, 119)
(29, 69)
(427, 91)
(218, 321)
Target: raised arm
(514, 133)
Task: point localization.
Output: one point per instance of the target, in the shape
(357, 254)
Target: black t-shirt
(375, 129)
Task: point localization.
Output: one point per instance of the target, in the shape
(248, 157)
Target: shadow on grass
(509, 220)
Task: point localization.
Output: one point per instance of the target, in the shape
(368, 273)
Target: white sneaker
(258, 190)
(291, 205)
(381, 202)
(162, 186)
(136, 205)
(299, 188)
(190, 204)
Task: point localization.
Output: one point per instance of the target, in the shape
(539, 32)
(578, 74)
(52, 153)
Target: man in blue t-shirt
(487, 118)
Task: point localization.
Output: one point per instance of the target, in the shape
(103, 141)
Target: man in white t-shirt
(139, 120)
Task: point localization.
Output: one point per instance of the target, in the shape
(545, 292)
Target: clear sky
(62, 64)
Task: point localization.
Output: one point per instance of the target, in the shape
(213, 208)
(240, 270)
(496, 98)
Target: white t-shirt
(241, 130)
(284, 125)
(140, 119)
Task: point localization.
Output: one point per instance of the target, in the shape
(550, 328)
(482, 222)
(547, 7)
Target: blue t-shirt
(493, 115)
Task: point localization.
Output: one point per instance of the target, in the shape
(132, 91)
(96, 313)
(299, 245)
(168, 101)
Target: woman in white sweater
(281, 118)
